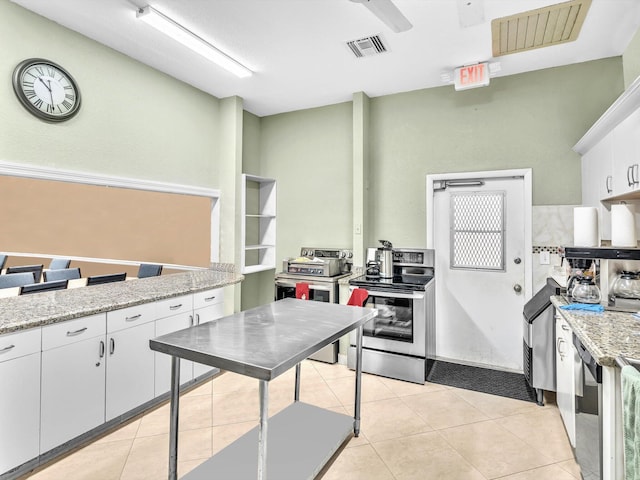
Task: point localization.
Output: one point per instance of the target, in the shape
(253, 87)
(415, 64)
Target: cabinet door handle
(101, 350)
(112, 346)
(608, 183)
(175, 307)
(6, 349)
(565, 328)
(208, 299)
(629, 176)
(197, 319)
(191, 320)
(131, 319)
(634, 174)
(76, 332)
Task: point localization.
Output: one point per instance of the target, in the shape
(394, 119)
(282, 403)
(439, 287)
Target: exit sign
(471, 76)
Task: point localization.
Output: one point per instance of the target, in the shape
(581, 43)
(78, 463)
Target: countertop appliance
(538, 346)
(400, 342)
(588, 451)
(384, 255)
(611, 262)
(321, 269)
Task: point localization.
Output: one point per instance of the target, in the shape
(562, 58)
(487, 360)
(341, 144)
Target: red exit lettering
(472, 74)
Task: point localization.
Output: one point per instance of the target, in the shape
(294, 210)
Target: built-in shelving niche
(259, 223)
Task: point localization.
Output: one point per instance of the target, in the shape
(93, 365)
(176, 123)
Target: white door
(479, 240)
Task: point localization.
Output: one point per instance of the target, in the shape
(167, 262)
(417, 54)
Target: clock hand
(48, 87)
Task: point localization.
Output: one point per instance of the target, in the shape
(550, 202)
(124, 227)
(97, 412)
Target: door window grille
(478, 230)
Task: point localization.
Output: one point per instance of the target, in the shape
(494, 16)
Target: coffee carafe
(384, 256)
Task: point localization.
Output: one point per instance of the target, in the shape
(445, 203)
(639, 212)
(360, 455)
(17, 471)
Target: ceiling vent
(367, 46)
(538, 28)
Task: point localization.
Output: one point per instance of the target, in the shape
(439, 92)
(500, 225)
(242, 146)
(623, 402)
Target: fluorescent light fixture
(164, 24)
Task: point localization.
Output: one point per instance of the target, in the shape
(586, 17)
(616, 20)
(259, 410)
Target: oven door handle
(378, 293)
(312, 286)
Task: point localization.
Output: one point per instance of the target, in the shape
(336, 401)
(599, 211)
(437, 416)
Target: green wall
(309, 153)
(521, 121)
(134, 121)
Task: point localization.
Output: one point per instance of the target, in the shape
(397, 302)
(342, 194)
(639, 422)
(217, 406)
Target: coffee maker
(612, 264)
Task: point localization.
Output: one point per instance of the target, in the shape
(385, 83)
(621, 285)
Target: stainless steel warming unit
(538, 346)
(321, 269)
(400, 342)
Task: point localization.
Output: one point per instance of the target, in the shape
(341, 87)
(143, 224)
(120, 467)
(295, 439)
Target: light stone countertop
(606, 335)
(23, 312)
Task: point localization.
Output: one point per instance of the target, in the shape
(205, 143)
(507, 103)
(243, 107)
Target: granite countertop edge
(30, 311)
(606, 335)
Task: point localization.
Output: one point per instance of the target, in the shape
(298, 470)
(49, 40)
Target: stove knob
(350, 254)
(343, 254)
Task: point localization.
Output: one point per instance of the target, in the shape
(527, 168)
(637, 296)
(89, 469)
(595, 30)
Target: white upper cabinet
(626, 177)
(259, 224)
(611, 148)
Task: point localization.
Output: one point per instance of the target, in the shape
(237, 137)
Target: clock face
(46, 90)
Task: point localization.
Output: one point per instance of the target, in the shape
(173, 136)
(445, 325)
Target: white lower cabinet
(207, 307)
(173, 314)
(565, 377)
(20, 398)
(73, 379)
(130, 361)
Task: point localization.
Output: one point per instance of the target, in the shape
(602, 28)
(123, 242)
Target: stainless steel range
(321, 269)
(400, 342)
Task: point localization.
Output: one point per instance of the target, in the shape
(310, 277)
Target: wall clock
(46, 90)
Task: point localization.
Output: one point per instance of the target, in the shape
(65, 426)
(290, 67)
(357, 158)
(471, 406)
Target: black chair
(43, 287)
(61, 274)
(36, 270)
(3, 260)
(59, 263)
(16, 279)
(108, 278)
(149, 270)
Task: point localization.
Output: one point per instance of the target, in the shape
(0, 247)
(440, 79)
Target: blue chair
(43, 287)
(59, 263)
(61, 274)
(110, 277)
(149, 270)
(35, 270)
(12, 280)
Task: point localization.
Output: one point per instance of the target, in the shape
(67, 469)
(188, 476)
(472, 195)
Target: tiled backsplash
(552, 229)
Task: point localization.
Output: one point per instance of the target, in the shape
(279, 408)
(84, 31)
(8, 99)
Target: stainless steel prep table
(263, 343)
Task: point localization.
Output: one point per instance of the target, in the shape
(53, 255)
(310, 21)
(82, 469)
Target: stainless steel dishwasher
(588, 450)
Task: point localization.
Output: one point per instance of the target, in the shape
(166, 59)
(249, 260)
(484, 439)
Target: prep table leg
(356, 410)
(296, 395)
(262, 431)
(173, 418)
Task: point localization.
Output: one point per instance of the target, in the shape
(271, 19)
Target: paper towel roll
(623, 226)
(585, 227)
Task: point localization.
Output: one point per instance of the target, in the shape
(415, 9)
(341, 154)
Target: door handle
(634, 174)
(517, 260)
(517, 288)
(608, 185)
(629, 181)
(112, 346)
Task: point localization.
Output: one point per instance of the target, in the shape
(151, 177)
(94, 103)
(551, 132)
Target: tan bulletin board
(63, 218)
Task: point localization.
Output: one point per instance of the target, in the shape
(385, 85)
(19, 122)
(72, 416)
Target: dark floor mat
(495, 382)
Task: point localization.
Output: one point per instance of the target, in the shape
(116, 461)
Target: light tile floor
(408, 431)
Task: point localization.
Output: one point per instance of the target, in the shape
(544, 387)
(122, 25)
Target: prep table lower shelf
(302, 439)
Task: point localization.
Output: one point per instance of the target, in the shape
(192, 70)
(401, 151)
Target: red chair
(358, 297)
(302, 291)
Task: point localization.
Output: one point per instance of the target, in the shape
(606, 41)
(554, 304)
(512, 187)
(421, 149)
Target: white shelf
(259, 224)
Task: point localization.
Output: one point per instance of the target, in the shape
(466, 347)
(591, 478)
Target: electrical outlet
(544, 257)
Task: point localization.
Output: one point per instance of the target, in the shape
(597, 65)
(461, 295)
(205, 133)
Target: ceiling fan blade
(386, 11)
